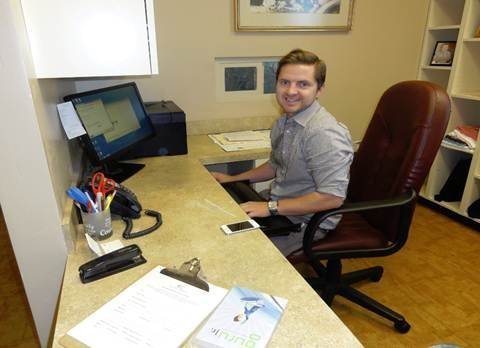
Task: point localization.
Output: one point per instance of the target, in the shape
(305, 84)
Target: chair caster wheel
(402, 326)
(376, 276)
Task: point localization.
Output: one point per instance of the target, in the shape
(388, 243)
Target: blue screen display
(114, 119)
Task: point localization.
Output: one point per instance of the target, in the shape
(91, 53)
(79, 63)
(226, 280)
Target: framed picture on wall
(443, 53)
(477, 32)
(293, 15)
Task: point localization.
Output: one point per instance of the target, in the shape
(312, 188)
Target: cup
(98, 225)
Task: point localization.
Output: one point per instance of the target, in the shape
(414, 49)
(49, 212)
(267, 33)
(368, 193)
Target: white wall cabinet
(87, 38)
(455, 20)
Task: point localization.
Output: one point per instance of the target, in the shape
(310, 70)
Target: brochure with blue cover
(245, 318)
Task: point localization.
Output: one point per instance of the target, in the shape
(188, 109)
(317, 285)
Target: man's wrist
(273, 207)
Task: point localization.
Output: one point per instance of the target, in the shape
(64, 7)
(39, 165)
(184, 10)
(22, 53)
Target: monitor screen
(114, 119)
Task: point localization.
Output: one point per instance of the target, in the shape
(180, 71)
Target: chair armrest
(401, 200)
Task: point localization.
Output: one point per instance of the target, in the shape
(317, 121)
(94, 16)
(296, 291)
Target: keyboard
(276, 225)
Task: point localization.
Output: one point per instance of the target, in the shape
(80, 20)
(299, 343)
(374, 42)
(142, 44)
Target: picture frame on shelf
(293, 15)
(443, 53)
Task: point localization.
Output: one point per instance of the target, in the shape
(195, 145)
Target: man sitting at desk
(311, 152)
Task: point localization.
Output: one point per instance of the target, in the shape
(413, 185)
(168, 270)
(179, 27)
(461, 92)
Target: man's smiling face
(296, 88)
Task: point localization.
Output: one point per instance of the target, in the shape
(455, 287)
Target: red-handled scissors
(102, 184)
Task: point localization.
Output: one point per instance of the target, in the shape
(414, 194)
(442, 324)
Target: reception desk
(193, 206)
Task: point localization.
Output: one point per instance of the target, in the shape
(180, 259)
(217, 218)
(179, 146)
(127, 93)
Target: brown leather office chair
(391, 164)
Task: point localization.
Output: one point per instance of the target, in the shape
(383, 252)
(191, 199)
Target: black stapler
(111, 263)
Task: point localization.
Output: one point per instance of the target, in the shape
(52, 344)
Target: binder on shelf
(166, 305)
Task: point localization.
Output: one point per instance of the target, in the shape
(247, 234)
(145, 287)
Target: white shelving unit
(455, 20)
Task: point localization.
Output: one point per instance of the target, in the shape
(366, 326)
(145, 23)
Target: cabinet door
(71, 38)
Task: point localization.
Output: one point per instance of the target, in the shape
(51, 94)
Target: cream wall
(382, 48)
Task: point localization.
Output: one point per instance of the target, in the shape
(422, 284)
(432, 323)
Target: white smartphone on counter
(241, 226)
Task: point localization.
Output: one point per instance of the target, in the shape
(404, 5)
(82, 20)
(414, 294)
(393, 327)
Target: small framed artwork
(477, 32)
(293, 15)
(245, 77)
(443, 53)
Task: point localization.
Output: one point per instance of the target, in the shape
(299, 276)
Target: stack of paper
(155, 311)
(246, 140)
(244, 136)
(455, 145)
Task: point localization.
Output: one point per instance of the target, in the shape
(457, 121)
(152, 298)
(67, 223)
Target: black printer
(170, 132)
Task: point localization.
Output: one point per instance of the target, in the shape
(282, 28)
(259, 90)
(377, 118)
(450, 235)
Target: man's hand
(255, 209)
(222, 178)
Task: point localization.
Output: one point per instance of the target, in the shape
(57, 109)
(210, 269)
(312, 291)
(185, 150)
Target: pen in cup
(99, 201)
(80, 206)
(109, 200)
(94, 207)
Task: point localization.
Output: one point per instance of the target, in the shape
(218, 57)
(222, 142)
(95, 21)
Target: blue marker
(78, 196)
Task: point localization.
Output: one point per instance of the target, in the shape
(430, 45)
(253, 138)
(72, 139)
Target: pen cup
(98, 225)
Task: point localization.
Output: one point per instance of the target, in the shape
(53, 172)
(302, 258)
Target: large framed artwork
(293, 15)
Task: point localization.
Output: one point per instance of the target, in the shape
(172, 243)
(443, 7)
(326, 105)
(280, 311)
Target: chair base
(332, 283)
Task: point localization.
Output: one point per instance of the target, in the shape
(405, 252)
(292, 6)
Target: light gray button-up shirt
(311, 152)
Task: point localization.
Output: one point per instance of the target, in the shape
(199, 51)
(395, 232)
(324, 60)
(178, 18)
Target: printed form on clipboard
(157, 309)
(245, 140)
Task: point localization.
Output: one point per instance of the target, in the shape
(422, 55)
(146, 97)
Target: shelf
(454, 20)
(445, 27)
(454, 206)
(469, 96)
(459, 149)
(432, 67)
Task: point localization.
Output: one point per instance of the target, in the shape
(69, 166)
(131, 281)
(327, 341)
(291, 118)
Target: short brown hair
(299, 56)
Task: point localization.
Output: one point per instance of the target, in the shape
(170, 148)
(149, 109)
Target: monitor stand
(121, 171)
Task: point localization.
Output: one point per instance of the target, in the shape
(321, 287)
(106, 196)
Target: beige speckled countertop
(183, 190)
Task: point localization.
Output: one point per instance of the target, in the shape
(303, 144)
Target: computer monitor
(115, 121)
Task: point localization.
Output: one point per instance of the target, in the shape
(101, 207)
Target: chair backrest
(399, 146)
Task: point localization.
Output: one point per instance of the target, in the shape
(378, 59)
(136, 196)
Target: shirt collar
(304, 116)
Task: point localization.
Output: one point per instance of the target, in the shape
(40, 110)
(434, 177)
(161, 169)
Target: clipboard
(188, 273)
(152, 310)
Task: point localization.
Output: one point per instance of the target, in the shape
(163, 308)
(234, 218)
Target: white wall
(32, 182)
